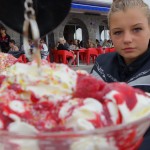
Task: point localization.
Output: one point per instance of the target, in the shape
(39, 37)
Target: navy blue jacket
(111, 67)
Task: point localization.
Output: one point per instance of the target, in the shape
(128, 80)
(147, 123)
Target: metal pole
(105, 36)
(47, 42)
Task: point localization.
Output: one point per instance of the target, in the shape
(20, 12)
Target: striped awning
(87, 7)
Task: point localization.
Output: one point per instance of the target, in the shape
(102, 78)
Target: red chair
(54, 55)
(63, 55)
(112, 49)
(48, 58)
(107, 50)
(91, 53)
(100, 50)
(23, 59)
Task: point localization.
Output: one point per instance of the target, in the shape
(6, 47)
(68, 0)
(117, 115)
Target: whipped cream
(56, 82)
(78, 115)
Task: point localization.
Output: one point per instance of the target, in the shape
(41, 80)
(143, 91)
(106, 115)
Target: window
(78, 34)
(105, 35)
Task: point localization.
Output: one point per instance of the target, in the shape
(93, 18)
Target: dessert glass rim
(79, 133)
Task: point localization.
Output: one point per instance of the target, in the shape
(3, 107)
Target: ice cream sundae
(54, 98)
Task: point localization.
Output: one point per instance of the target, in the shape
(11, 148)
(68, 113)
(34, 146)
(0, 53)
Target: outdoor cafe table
(77, 52)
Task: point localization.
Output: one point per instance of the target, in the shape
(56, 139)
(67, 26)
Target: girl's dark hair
(2, 28)
(12, 41)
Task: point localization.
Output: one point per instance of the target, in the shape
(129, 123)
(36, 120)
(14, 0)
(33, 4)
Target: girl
(129, 24)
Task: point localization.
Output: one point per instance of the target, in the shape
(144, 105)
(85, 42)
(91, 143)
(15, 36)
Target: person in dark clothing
(63, 45)
(98, 43)
(129, 24)
(4, 40)
(16, 54)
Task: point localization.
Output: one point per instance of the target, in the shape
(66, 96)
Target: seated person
(14, 50)
(16, 54)
(90, 44)
(74, 45)
(71, 45)
(43, 49)
(63, 45)
(4, 40)
(98, 43)
(12, 45)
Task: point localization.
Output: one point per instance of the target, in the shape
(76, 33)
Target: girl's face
(130, 33)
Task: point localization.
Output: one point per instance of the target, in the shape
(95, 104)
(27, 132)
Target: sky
(147, 1)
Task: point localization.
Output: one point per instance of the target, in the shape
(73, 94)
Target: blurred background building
(87, 20)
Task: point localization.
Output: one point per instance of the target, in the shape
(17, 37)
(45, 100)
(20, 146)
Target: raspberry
(33, 98)
(89, 87)
(16, 87)
(4, 119)
(126, 93)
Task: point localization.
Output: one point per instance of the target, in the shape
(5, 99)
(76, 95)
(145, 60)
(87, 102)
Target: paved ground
(83, 67)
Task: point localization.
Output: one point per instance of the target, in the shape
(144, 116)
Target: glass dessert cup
(121, 137)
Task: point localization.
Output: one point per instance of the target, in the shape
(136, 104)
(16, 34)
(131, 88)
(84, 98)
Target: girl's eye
(117, 32)
(137, 29)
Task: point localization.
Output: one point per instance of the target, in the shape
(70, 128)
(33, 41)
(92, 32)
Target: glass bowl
(120, 137)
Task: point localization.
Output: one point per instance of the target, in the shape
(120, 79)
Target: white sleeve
(45, 48)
